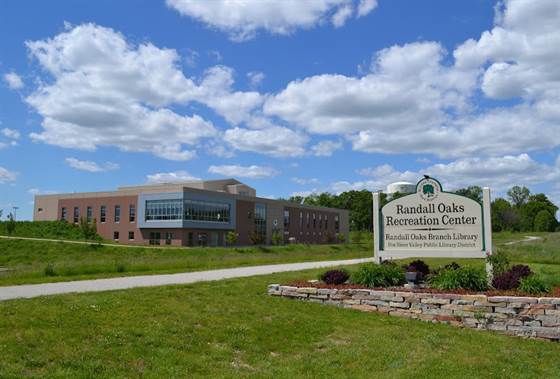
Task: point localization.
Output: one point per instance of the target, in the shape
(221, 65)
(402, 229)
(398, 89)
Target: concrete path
(98, 285)
(527, 239)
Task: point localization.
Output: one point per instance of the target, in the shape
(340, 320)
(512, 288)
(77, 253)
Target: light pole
(15, 212)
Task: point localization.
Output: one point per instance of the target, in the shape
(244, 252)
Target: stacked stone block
(535, 317)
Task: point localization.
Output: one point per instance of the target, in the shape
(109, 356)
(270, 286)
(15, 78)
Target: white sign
(432, 223)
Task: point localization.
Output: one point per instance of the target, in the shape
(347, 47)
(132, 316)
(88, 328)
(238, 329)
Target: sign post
(432, 223)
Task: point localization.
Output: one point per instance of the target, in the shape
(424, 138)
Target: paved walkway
(527, 239)
(98, 285)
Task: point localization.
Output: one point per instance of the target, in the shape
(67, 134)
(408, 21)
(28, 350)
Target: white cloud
(10, 133)
(13, 80)
(366, 6)
(252, 172)
(326, 148)
(108, 92)
(414, 100)
(91, 166)
(499, 173)
(7, 176)
(255, 78)
(171, 177)
(243, 19)
(303, 181)
(274, 141)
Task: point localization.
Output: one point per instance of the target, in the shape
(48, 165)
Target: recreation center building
(197, 213)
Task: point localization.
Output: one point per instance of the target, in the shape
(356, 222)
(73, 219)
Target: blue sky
(290, 97)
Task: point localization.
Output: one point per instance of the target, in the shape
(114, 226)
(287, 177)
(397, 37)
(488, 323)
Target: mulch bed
(303, 283)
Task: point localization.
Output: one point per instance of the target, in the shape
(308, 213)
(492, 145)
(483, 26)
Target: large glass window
(286, 218)
(117, 213)
(197, 210)
(164, 209)
(63, 214)
(190, 210)
(103, 213)
(260, 221)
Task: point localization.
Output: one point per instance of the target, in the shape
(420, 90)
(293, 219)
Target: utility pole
(15, 212)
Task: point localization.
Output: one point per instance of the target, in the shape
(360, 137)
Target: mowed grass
(232, 329)
(27, 261)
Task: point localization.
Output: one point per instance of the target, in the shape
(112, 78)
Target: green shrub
(544, 222)
(277, 238)
(231, 238)
(49, 270)
(374, 275)
(467, 278)
(121, 267)
(533, 285)
(341, 237)
(499, 261)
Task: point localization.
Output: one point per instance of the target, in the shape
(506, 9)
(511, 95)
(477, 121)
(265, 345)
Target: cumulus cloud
(171, 177)
(91, 166)
(243, 19)
(108, 92)
(274, 141)
(325, 148)
(252, 172)
(255, 78)
(7, 176)
(13, 80)
(10, 133)
(415, 100)
(303, 181)
(499, 173)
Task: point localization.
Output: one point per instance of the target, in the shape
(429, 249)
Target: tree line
(521, 211)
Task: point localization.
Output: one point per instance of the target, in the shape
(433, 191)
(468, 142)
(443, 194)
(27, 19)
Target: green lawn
(233, 329)
(27, 260)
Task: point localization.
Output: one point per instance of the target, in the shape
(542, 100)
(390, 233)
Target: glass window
(314, 221)
(168, 238)
(89, 214)
(131, 213)
(286, 218)
(320, 221)
(190, 210)
(190, 241)
(103, 213)
(326, 222)
(131, 235)
(63, 214)
(260, 222)
(202, 239)
(307, 216)
(76, 215)
(117, 213)
(301, 219)
(336, 223)
(116, 236)
(155, 238)
(214, 236)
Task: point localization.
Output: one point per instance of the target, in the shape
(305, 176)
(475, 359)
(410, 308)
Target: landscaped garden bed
(515, 302)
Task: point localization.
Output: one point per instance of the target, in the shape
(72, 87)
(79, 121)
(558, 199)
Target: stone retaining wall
(521, 316)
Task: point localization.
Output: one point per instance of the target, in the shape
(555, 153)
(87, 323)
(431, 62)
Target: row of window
(102, 214)
(190, 210)
(312, 217)
(116, 236)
